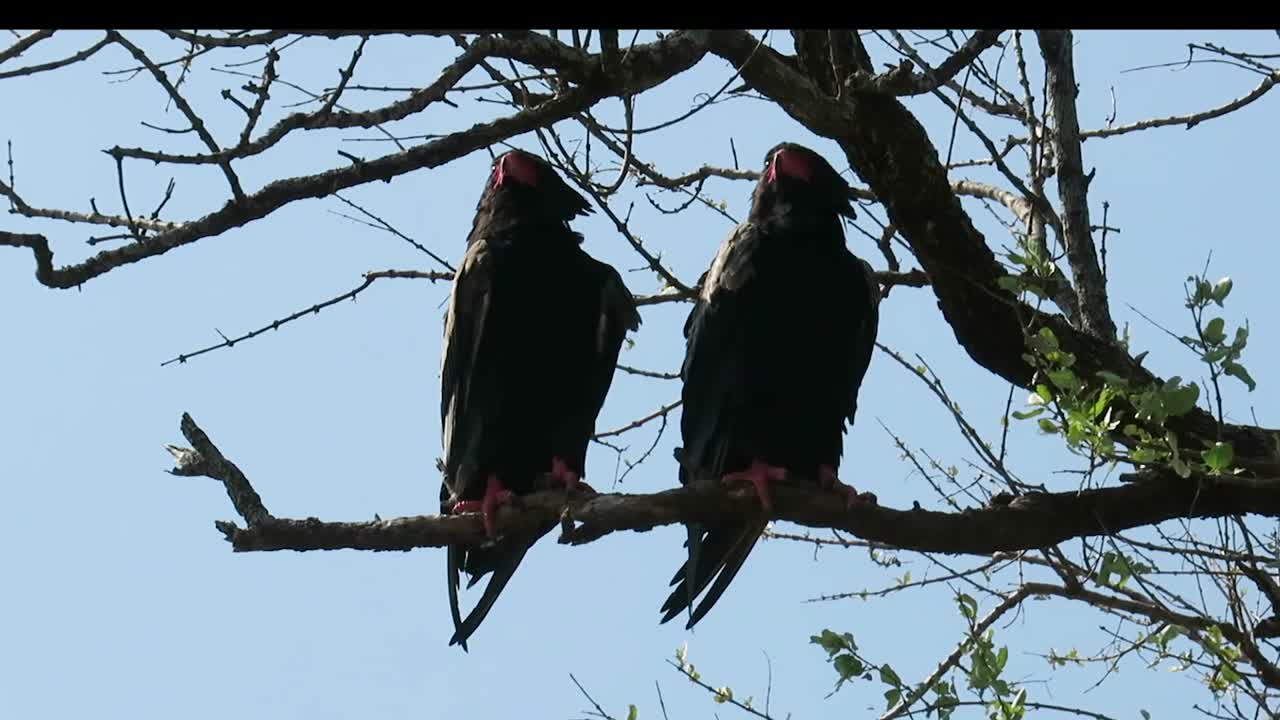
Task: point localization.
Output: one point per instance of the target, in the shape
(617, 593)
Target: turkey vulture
(532, 335)
(777, 346)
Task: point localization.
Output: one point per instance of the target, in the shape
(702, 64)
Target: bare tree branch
(645, 67)
(1189, 120)
(1073, 185)
(24, 44)
(315, 309)
(1027, 522)
(950, 661)
(55, 64)
(21, 207)
(1267, 671)
(196, 122)
(640, 422)
(901, 81)
(204, 459)
(648, 373)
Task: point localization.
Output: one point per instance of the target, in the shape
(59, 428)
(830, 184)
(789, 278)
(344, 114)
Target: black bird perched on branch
(777, 347)
(532, 336)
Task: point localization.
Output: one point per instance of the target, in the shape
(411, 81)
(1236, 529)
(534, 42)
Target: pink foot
(828, 479)
(760, 474)
(495, 495)
(563, 475)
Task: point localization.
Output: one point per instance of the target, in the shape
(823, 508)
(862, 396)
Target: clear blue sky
(120, 599)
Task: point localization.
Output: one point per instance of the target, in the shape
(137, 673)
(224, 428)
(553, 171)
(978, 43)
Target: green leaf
(1027, 415)
(633, 713)
(1236, 370)
(1044, 393)
(1242, 338)
(1104, 399)
(891, 698)
(968, 606)
(1048, 338)
(1047, 426)
(1215, 332)
(1064, 379)
(848, 666)
(1145, 715)
(834, 642)
(1180, 401)
(889, 677)
(1221, 290)
(1216, 355)
(1111, 378)
(1219, 457)
(1204, 292)
(1012, 283)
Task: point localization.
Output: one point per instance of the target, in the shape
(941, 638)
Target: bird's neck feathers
(789, 214)
(506, 218)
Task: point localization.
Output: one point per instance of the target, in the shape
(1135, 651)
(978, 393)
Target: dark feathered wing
(714, 381)
(617, 314)
(467, 402)
(461, 414)
(717, 385)
(863, 334)
(462, 423)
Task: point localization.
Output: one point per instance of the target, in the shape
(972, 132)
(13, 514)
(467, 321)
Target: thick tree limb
(1073, 185)
(1027, 522)
(901, 81)
(203, 458)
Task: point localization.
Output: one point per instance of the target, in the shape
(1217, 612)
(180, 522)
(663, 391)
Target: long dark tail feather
(454, 562)
(718, 556)
(728, 568)
(505, 567)
(691, 579)
(686, 578)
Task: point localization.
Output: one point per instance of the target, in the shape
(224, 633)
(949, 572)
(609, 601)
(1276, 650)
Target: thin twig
(181, 102)
(54, 65)
(384, 225)
(369, 279)
(659, 413)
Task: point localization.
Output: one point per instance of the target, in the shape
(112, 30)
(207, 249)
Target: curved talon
(495, 496)
(828, 478)
(562, 474)
(760, 474)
